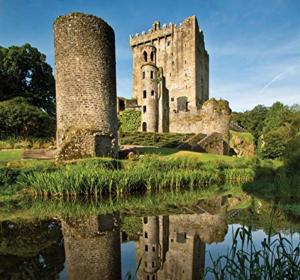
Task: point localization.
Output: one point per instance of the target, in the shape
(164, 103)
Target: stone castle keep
(170, 73)
(170, 86)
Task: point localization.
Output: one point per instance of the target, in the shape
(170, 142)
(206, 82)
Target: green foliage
(253, 120)
(292, 154)
(25, 73)
(170, 140)
(275, 141)
(18, 118)
(277, 115)
(129, 120)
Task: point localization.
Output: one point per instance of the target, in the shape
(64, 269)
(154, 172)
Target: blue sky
(254, 45)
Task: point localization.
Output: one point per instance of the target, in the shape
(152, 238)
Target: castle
(171, 85)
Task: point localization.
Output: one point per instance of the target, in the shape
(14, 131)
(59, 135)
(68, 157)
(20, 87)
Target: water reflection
(93, 247)
(175, 246)
(32, 250)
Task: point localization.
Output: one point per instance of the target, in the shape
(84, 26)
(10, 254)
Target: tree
(25, 73)
(275, 141)
(292, 154)
(252, 120)
(20, 119)
(277, 115)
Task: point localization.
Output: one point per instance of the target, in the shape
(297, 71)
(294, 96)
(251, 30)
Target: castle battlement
(157, 31)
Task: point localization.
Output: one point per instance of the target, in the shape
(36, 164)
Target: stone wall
(214, 116)
(85, 82)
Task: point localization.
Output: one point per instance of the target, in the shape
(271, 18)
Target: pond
(181, 243)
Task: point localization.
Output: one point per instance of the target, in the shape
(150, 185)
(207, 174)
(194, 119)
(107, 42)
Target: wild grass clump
(278, 258)
(107, 177)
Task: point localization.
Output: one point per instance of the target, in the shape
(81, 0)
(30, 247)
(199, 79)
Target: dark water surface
(119, 246)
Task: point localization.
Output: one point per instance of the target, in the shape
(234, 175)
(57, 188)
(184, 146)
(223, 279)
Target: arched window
(144, 109)
(144, 126)
(152, 92)
(145, 56)
(144, 94)
(151, 75)
(152, 56)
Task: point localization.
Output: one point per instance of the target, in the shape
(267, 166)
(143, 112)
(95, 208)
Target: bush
(292, 154)
(129, 120)
(18, 118)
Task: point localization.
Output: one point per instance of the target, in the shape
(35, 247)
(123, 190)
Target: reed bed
(276, 258)
(103, 178)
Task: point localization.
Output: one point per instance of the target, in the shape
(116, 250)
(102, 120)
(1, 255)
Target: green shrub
(129, 120)
(292, 155)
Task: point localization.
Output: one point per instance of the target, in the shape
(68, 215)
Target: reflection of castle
(93, 248)
(173, 247)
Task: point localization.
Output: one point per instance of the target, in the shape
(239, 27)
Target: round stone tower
(151, 258)
(149, 93)
(85, 86)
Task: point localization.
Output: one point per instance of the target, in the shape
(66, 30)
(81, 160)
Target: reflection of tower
(92, 247)
(173, 247)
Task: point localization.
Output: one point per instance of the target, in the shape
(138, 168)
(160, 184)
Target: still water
(118, 246)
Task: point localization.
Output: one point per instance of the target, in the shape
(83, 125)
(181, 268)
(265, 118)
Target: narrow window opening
(172, 98)
(151, 74)
(143, 75)
(144, 94)
(148, 277)
(146, 234)
(152, 92)
(146, 248)
(145, 56)
(145, 264)
(153, 264)
(153, 277)
(153, 249)
(152, 56)
(145, 220)
(144, 109)
(144, 128)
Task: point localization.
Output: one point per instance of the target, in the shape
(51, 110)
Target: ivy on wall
(129, 120)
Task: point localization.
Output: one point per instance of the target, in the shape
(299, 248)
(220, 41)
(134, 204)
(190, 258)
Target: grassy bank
(107, 177)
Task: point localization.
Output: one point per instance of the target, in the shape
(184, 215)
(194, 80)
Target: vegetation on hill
(27, 93)
(272, 127)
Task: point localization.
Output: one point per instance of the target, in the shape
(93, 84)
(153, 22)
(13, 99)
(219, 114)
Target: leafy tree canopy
(25, 73)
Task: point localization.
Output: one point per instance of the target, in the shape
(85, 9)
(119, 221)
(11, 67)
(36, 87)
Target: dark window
(152, 56)
(144, 128)
(153, 277)
(144, 109)
(172, 98)
(144, 94)
(145, 56)
(181, 237)
(145, 264)
(143, 75)
(169, 43)
(145, 218)
(151, 74)
(146, 248)
(153, 248)
(152, 92)
(146, 234)
(153, 264)
(148, 277)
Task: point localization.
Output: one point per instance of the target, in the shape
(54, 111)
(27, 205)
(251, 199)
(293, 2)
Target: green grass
(9, 155)
(246, 136)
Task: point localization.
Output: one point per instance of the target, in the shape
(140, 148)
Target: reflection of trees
(93, 247)
(32, 250)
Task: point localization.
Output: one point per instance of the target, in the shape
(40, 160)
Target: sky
(254, 45)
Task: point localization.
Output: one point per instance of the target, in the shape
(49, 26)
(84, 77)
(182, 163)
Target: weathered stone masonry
(85, 86)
